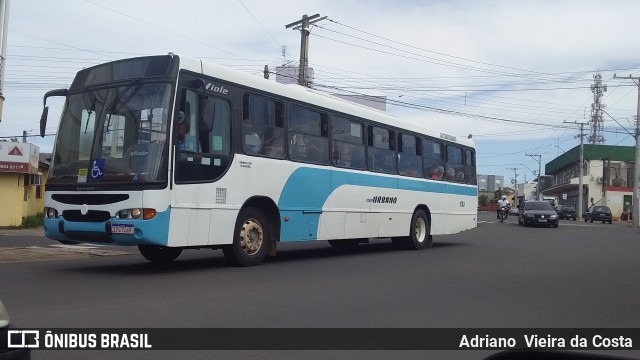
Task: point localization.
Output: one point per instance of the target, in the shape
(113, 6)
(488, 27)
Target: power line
(164, 29)
(438, 53)
(259, 23)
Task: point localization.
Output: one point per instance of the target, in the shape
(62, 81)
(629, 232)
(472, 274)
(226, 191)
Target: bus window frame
(392, 143)
(325, 121)
(226, 159)
(417, 152)
(363, 144)
(262, 127)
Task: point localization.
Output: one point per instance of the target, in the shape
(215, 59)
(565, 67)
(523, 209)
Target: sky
(515, 75)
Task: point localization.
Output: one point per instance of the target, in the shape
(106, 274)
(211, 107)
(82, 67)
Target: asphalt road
(580, 275)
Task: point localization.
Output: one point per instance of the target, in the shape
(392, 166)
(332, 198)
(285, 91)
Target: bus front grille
(91, 216)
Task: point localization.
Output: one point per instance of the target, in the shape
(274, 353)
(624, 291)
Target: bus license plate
(122, 229)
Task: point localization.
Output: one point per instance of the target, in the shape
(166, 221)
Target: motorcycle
(504, 211)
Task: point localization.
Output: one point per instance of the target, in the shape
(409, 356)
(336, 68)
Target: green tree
(498, 193)
(483, 200)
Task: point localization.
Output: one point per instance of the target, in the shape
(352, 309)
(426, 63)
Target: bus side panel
(222, 226)
(361, 224)
(200, 227)
(301, 200)
(332, 224)
(179, 227)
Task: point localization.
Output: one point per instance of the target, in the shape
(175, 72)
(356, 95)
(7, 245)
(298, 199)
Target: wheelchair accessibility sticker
(97, 169)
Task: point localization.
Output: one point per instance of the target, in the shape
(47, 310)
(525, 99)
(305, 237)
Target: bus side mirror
(43, 120)
(45, 111)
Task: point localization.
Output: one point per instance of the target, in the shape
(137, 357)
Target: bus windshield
(114, 135)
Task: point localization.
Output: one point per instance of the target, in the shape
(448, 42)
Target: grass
(33, 221)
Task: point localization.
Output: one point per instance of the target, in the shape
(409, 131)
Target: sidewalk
(22, 232)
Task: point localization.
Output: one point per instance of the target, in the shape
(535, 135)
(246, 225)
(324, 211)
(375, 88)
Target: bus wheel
(159, 254)
(419, 236)
(345, 245)
(250, 239)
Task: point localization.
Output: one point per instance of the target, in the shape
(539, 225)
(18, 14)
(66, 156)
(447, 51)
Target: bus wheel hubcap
(421, 230)
(251, 236)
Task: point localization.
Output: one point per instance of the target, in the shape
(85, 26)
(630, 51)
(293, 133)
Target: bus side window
(263, 126)
(203, 127)
(308, 135)
(186, 123)
(348, 143)
(409, 159)
(470, 168)
(381, 150)
(454, 170)
(215, 127)
(433, 165)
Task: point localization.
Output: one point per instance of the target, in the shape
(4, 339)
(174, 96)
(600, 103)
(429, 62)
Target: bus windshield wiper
(113, 103)
(90, 109)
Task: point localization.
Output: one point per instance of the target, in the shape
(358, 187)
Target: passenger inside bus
(298, 147)
(273, 145)
(252, 140)
(186, 140)
(183, 129)
(437, 172)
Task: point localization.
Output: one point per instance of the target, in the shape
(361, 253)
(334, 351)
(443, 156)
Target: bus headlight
(50, 213)
(136, 214)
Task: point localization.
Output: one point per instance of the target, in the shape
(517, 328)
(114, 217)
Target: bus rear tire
(251, 239)
(419, 236)
(159, 254)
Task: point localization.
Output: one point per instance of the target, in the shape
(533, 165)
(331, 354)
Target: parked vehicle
(599, 213)
(566, 212)
(514, 211)
(538, 213)
(553, 200)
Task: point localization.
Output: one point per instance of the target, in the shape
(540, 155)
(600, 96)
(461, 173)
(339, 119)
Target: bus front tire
(251, 239)
(419, 236)
(159, 254)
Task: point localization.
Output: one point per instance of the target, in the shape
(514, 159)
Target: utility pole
(636, 169)
(4, 29)
(304, 26)
(515, 182)
(539, 173)
(579, 210)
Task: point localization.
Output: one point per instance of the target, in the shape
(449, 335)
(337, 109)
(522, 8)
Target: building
(607, 177)
(490, 183)
(22, 174)
(526, 191)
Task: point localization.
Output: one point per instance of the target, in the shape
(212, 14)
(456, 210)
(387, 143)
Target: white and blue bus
(171, 152)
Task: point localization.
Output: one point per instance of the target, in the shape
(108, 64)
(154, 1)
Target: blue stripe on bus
(307, 189)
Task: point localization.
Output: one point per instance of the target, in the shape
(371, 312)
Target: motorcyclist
(503, 202)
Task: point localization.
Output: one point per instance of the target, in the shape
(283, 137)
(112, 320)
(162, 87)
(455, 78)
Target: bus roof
(310, 96)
